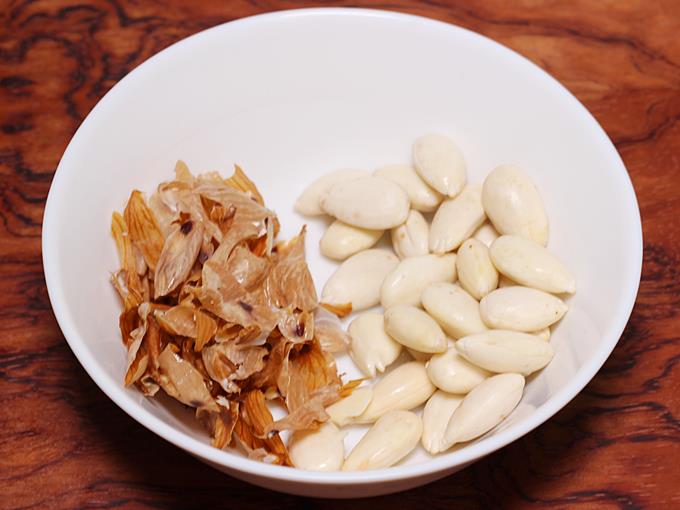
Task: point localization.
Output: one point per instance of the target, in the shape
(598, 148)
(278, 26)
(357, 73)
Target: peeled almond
(476, 272)
(389, 440)
(454, 309)
(450, 372)
(521, 309)
(345, 410)
(367, 202)
(406, 282)
(436, 416)
(456, 220)
(342, 240)
(530, 264)
(483, 408)
(423, 198)
(410, 239)
(318, 450)
(413, 328)
(405, 387)
(506, 351)
(308, 202)
(486, 234)
(358, 280)
(371, 348)
(440, 163)
(514, 205)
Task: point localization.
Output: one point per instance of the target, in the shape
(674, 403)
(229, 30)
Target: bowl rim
(440, 463)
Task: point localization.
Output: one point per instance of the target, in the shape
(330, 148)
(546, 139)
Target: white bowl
(291, 95)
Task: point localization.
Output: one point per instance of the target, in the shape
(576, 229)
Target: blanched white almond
(358, 280)
(502, 351)
(450, 372)
(371, 348)
(388, 441)
(308, 202)
(410, 239)
(486, 234)
(405, 387)
(406, 282)
(476, 272)
(530, 264)
(514, 205)
(423, 198)
(367, 202)
(345, 410)
(456, 220)
(341, 240)
(440, 163)
(413, 328)
(456, 311)
(419, 356)
(543, 334)
(318, 450)
(521, 309)
(483, 408)
(436, 416)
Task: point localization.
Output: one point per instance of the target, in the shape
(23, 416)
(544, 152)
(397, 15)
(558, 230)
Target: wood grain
(63, 444)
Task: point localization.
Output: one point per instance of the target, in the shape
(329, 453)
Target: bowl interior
(291, 96)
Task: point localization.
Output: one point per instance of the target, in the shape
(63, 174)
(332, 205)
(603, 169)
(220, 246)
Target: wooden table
(63, 444)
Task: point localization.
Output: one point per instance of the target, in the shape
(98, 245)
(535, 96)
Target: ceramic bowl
(292, 95)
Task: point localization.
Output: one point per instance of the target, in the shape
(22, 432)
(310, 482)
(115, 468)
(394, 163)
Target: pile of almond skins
(220, 315)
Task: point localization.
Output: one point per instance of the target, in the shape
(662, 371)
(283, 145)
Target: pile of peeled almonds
(453, 317)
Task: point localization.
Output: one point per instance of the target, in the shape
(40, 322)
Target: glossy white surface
(290, 96)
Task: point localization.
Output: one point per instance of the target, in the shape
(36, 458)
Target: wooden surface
(63, 444)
